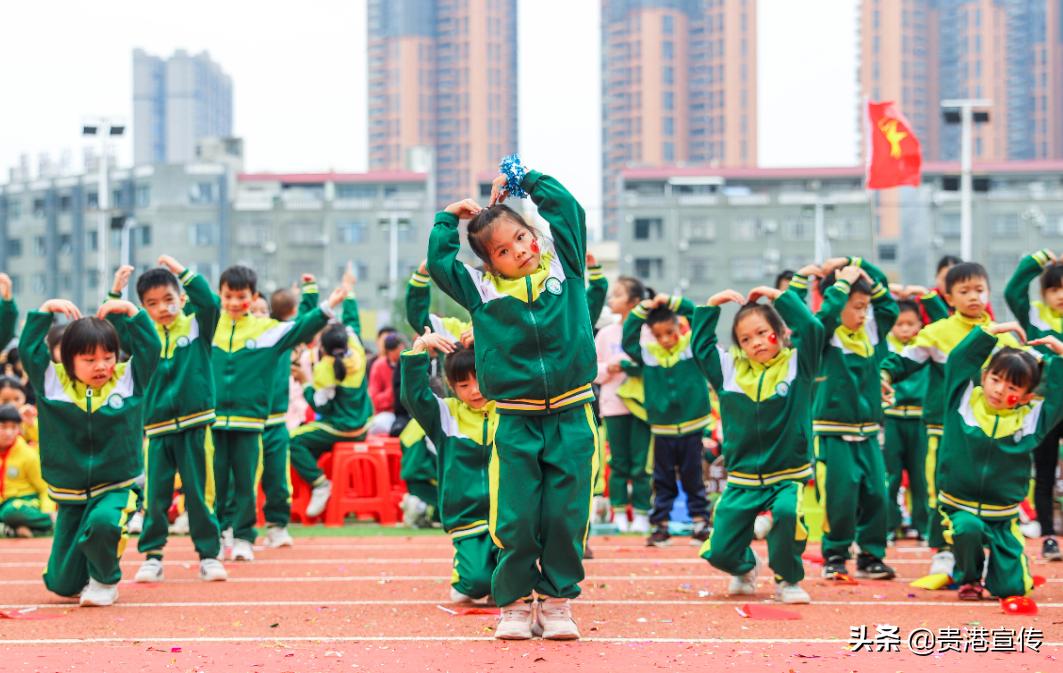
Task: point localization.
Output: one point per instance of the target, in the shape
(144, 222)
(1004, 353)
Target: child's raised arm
(597, 288)
(416, 394)
(444, 244)
(1017, 291)
(8, 310)
(137, 336)
(203, 300)
(31, 344)
(703, 341)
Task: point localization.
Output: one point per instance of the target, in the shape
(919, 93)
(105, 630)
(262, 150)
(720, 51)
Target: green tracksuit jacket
(1037, 318)
(984, 460)
(463, 438)
(245, 360)
(848, 399)
(930, 348)
(534, 345)
(344, 407)
(676, 396)
(765, 408)
(181, 394)
(91, 439)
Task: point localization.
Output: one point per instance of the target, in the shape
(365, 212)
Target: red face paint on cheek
(1013, 400)
(772, 338)
(535, 247)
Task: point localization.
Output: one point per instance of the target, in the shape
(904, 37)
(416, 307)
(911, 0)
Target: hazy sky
(299, 79)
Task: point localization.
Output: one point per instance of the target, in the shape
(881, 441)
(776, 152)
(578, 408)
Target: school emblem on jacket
(12, 471)
(182, 341)
(553, 285)
(782, 389)
(250, 344)
(115, 401)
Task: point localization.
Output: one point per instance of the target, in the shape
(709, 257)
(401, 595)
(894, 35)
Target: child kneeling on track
(92, 422)
(337, 392)
(991, 432)
(536, 360)
(765, 388)
(25, 508)
(677, 409)
(462, 429)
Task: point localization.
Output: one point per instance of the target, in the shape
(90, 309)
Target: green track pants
(541, 476)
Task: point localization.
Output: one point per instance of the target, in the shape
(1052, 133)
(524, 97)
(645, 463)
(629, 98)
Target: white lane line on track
(735, 602)
(591, 579)
(436, 639)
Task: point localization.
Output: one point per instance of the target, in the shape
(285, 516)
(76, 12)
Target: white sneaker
(1030, 529)
(600, 509)
(278, 536)
(640, 523)
(791, 593)
(515, 622)
(942, 563)
(212, 570)
(243, 551)
(458, 597)
(744, 585)
(319, 496)
(98, 594)
(150, 571)
(136, 523)
(227, 543)
(762, 526)
(180, 524)
(555, 619)
(414, 511)
(623, 525)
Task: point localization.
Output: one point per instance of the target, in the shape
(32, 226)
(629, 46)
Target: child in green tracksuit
(179, 410)
(8, 311)
(536, 361)
(462, 429)
(1042, 318)
(967, 291)
(764, 385)
(25, 508)
(91, 410)
(992, 426)
(337, 391)
(677, 409)
(245, 353)
(846, 412)
(905, 436)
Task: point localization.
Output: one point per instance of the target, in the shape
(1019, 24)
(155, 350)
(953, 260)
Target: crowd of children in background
(838, 379)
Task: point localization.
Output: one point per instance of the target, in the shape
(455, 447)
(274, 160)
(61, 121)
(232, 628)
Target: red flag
(894, 157)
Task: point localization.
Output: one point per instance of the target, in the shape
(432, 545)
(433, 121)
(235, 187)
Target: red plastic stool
(360, 485)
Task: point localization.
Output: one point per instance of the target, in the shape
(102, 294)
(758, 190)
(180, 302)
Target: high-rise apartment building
(679, 86)
(443, 76)
(919, 52)
(177, 102)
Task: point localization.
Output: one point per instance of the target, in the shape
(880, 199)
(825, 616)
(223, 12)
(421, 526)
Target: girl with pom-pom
(535, 358)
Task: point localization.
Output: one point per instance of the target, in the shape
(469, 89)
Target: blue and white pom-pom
(511, 167)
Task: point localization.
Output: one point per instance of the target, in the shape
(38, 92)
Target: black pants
(682, 455)
(1045, 459)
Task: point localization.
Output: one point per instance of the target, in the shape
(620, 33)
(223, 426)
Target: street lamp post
(965, 112)
(103, 130)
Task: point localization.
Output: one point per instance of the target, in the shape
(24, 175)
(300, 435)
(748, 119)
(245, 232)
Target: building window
(201, 233)
(38, 207)
(14, 247)
(700, 230)
(66, 244)
(40, 246)
(201, 192)
(668, 151)
(351, 231)
(668, 74)
(747, 268)
(668, 126)
(699, 271)
(1005, 226)
(668, 24)
(344, 191)
(669, 101)
(667, 49)
(887, 252)
(93, 238)
(145, 235)
(14, 210)
(143, 196)
(649, 267)
(64, 203)
(648, 228)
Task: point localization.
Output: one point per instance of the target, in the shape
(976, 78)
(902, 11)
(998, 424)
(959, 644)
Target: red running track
(369, 604)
